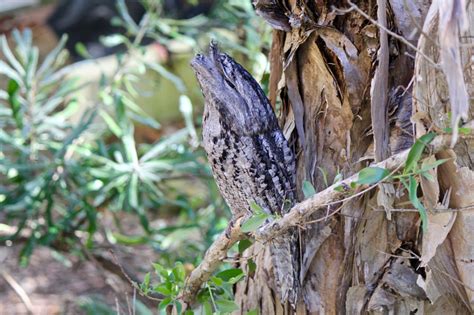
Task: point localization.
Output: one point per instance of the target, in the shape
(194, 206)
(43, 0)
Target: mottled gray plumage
(249, 156)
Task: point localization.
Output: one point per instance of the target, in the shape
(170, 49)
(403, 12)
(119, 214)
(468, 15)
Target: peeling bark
(371, 258)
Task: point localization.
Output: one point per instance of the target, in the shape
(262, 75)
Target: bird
(249, 156)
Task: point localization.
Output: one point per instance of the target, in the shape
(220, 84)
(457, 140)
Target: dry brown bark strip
(379, 93)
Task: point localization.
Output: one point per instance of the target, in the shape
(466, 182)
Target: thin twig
(354, 7)
(439, 270)
(133, 283)
(435, 211)
(18, 290)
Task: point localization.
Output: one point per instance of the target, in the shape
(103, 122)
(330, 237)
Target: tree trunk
(339, 84)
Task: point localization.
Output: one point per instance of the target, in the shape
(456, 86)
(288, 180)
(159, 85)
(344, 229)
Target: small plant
(55, 175)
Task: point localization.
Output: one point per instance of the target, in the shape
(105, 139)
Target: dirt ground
(57, 283)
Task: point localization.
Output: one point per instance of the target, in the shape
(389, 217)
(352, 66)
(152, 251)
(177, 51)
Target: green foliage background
(58, 178)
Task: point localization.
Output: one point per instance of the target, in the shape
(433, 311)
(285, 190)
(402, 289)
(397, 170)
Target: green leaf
(429, 166)
(12, 90)
(308, 189)
(231, 275)
(428, 176)
(81, 49)
(339, 188)
(52, 57)
(178, 83)
(179, 271)
(416, 151)
(32, 65)
(10, 57)
(256, 209)
(163, 146)
(129, 22)
(254, 222)
(371, 175)
(146, 282)
(179, 307)
(129, 239)
(243, 245)
(133, 191)
(112, 40)
(113, 126)
(253, 312)
(236, 279)
(163, 289)
(325, 176)
(9, 72)
(226, 306)
(207, 308)
(130, 148)
(412, 195)
(251, 265)
(462, 130)
(186, 108)
(217, 281)
(161, 271)
(228, 274)
(163, 304)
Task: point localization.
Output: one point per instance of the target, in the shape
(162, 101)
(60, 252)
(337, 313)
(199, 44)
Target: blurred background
(104, 190)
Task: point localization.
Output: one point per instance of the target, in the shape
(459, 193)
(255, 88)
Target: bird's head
(231, 91)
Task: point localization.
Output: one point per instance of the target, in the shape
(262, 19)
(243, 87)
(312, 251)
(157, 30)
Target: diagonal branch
(296, 216)
(211, 261)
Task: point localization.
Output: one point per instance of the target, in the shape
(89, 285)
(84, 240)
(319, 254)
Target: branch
(19, 291)
(212, 259)
(295, 217)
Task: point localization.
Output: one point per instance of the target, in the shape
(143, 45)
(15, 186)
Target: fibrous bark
(369, 256)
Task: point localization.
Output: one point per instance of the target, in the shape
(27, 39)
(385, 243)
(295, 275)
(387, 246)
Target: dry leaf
(386, 198)
(439, 225)
(452, 22)
(430, 186)
(461, 181)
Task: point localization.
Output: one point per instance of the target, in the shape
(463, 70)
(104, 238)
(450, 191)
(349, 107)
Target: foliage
(58, 178)
(56, 175)
(408, 176)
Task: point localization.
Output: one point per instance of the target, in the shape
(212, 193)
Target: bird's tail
(285, 251)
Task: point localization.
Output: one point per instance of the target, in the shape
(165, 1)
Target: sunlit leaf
(207, 308)
(113, 126)
(163, 289)
(308, 189)
(146, 282)
(179, 271)
(230, 274)
(243, 245)
(7, 53)
(254, 222)
(372, 175)
(226, 306)
(416, 151)
(256, 209)
(412, 194)
(163, 304)
(179, 307)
